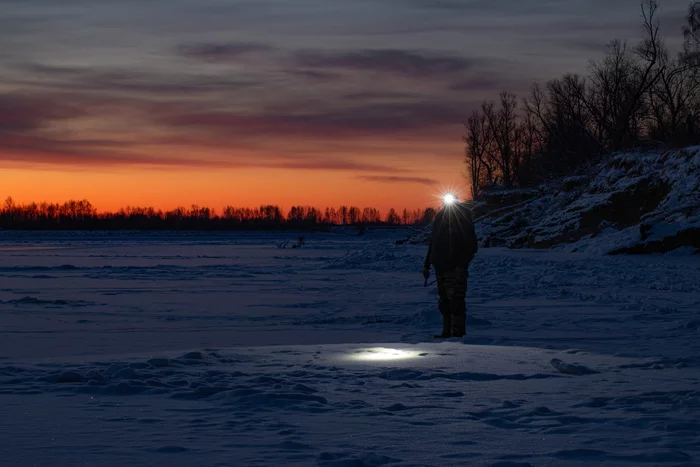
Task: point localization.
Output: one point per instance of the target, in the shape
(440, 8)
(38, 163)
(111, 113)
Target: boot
(459, 325)
(446, 327)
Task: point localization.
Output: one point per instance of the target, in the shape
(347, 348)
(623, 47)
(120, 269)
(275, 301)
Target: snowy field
(205, 350)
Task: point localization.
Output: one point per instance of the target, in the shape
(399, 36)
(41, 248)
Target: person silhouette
(453, 245)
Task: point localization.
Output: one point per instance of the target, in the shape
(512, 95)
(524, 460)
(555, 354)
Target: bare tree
(392, 218)
(631, 93)
(620, 82)
(673, 101)
(502, 127)
(354, 215)
(531, 143)
(691, 32)
(9, 204)
(479, 169)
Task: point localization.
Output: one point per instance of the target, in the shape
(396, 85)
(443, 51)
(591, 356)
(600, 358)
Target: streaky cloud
(401, 62)
(365, 119)
(398, 179)
(84, 79)
(222, 51)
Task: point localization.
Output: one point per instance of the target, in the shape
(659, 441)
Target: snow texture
(193, 349)
(629, 203)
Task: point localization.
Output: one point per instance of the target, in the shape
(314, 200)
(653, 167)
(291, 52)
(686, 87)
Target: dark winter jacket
(453, 241)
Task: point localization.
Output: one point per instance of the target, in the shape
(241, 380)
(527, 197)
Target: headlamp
(449, 198)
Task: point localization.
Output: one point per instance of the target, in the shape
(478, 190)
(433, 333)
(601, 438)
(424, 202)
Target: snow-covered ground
(209, 350)
(635, 202)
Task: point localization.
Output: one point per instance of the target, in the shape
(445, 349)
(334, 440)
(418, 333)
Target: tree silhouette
(392, 218)
(632, 95)
(82, 215)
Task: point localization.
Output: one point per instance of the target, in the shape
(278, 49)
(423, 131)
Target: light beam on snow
(381, 354)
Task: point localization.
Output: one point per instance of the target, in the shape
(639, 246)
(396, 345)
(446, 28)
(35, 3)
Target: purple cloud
(397, 179)
(127, 81)
(26, 136)
(43, 150)
(401, 62)
(365, 120)
(222, 52)
(22, 112)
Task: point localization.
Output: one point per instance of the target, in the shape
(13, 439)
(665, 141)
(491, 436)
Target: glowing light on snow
(380, 354)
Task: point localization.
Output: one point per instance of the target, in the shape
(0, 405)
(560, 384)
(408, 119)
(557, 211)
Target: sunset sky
(243, 102)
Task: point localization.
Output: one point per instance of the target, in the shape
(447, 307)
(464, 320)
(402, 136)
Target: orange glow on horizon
(110, 189)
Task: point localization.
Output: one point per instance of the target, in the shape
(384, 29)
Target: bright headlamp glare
(449, 199)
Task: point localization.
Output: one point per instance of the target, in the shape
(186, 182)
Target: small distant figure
(452, 247)
(299, 243)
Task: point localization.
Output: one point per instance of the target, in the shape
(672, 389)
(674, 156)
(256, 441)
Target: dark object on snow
(283, 244)
(452, 247)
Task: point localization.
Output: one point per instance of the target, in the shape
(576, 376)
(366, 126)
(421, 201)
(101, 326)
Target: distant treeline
(82, 215)
(635, 96)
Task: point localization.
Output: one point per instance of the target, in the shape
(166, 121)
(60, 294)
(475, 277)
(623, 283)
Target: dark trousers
(452, 292)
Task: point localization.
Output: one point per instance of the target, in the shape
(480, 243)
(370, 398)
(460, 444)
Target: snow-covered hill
(629, 203)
